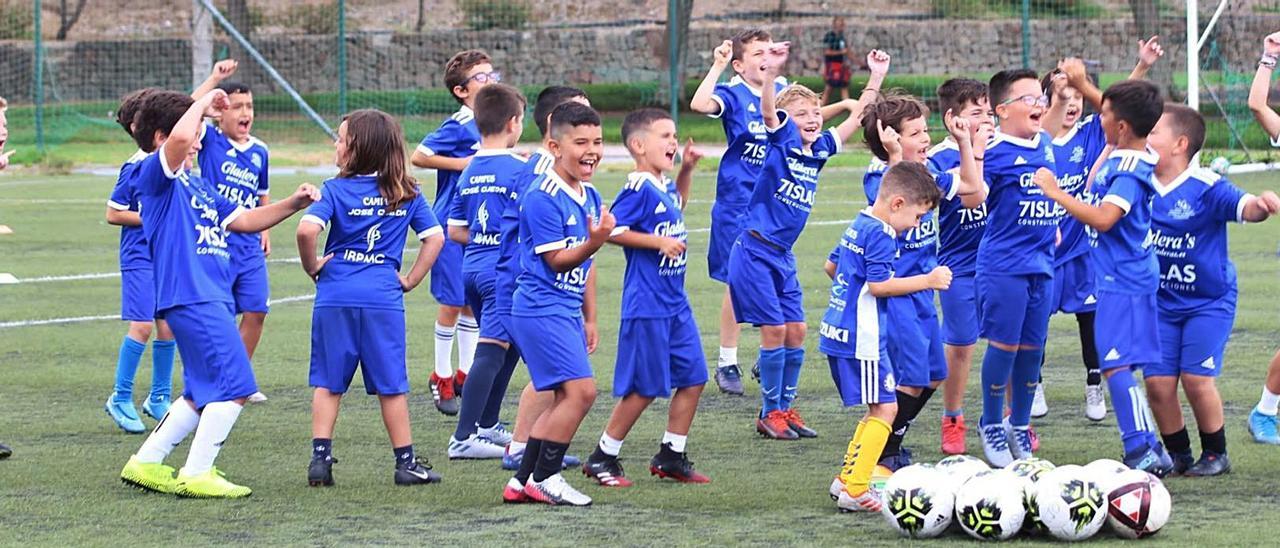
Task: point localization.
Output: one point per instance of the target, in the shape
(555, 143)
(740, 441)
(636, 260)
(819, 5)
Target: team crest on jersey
(256, 159)
(889, 384)
(1182, 211)
(482, 215)
(1077, 154)
(823, 155)
(1048, 153)
(372, 236)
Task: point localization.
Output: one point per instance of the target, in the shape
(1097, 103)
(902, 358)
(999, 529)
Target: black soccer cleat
(605, 470)
(670, 464)
(1210, 464)
(1182, 461)
(320, 472)
(5, 451)
(417, 472)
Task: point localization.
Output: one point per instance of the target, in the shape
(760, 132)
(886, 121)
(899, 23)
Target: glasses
(1041, 101)
(484, 78)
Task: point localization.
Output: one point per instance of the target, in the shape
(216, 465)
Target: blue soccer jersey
(457, 137)
(239, 171)
(509, 266)
(783, 197)
(367, 241)
(484, 189)
(1076, 152)
(959, 228)
(1189, 217)
(124, 197)
(1022, 223)
(652, 284)
(865, 255)
(747, 140)
(918, 247)
(185, 222)
(553, 216)
(1123, 259)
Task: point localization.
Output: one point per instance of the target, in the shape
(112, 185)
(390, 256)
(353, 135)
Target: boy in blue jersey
(763, 281)
(855, 327)
(553, 313)
(1198, 290)
(185, 221)
(1127, 330)
(358, 320)
(138, 294)
(475, 221)
(448, 150)
(1263, 423)
(658, 344)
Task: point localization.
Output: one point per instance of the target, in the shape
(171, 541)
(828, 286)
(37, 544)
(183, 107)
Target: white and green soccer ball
(1030, 470)
(957, 469)
(1138, 505)
(917, 502)
(1220, 166)
(1070, 504)
(1105, 472)
(989, 505)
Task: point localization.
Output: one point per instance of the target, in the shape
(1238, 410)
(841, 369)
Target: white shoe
(1019, 441)
(475, 447)
(1039, 407)
(1095, 404)
(497, 434)
(837, 487)
(995, 445)
(258, 397)
(556, 491)
(868, 501)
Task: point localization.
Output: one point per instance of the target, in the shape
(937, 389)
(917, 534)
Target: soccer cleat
(1210, 464)
(1150, 459)
(755, 371)
(1035, 438)
(1095, 403)
(417, 472)
(1021, 446)
(496, 434)
(442, 393)
(605, 470)
(995, 445)
(156, 406)
(797, 424)
(556, 492)
(867, 501)
(774, 426)
(5, 451)
(679, 468)
(898, 461)
(257, 397)
(513, 493)
(459, 378)
(150, 476)
(953, 436)
(474, 447)
(1181, 462)
(837, 487)
(729, 379)
(511, 461)
(320, 471)
(212, 484)
(125, 415)
(1263, 428)
(1039, 407)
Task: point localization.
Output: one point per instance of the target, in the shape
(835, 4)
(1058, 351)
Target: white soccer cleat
(1095, 403)
(837, 487)
(1039, 407)
(868, 501)
(474, 447)
(258, 397)
(995, 445)
(497, 434)
(556, 492)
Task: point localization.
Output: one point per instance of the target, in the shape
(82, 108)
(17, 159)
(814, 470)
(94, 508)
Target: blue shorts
(1127, 330)
(960, 312)
(447, 285)
(1194, 344)
(215, 366)
(656, 355)
(726, 226)
(138, 295)
(1015, 310)
(763, 285)
(915, 340)
(861, 382)
(343, 338)
(1073, 286)
(554, 348)
(482, 298)
(249, 285)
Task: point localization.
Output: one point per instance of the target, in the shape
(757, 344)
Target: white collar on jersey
(888, 228)
(946, 144)
(1193, 171)
(240, 147)
(1071, 133)
(1001, 136)
(580, 198)
(660, 184)
(1147, 155)
(495, 152)
(738, 80)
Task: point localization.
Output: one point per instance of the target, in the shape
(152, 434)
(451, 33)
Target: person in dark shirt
(835, 68)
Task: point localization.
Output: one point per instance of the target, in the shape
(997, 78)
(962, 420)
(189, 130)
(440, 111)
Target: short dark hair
(497, 104)
(638, 121)
(129, 106)
(548, 99)
(911, 180)
(455, 71)
(570, 115)
(1186, 122)
(748, 36)
(890, 111)
(1000, 83)
(955, 93)
(231, 86)
(160, 111)
(1136, 102)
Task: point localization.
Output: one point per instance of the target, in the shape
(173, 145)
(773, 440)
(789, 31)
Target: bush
(495, 14)
(16, 20)
(313, 18)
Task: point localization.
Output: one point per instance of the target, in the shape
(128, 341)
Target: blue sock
(475, 393)
(772, 363)
(321, 448)
(493, 407)
(997, 364)
(791, 376)
(127, 367)
(957, 413)
(1130, 407)
(162, 367)
(404, 455)
(1023, 380)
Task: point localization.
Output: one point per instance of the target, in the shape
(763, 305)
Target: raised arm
(878, 61)
(1078, 77)
(702, 98)
(221, 71)
(1149, 51)
(775, 59)
(262, 218)
(1267, 118)
(684, 180)
(1052, 120)
(972, 188)
(184, 133)
(564, 260)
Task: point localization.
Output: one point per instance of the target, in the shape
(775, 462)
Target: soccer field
(62, 485)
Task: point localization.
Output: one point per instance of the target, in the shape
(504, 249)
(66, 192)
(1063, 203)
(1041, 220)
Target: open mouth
(1035, 116)
(671, 155)
(243, 125)
(2, 142)
(923, 152)
(588, 167)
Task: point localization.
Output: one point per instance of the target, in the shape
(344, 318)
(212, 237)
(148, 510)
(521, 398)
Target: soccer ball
(1220, 166)
(1138, 505)
(917, 502)
(1069, 504)
(1031, 468)
(1105, 471)
(957, 469)
(989, 505)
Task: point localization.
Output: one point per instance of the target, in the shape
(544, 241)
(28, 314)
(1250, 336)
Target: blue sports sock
(1023, 380)
(1129, 404)
(127, 367)
(162, 367)
(957, 413)
(791, 376)
(997, 364)
(404, 455)
(772, 363)
(493, 407)
(475, 393)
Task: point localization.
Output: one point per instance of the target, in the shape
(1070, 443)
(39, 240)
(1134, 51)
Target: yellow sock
(851, 452)
(874, 435)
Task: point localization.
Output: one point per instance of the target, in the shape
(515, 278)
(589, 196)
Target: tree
(422, 16)
(67, 18)
(1146, 18)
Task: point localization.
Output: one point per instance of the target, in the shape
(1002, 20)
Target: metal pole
(201, 44)
(1026, 34)
(342, 57)
(673, 59)
(38, 92)
(1193, 55)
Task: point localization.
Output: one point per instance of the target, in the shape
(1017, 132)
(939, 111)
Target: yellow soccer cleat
(209, 485)
(150, 476)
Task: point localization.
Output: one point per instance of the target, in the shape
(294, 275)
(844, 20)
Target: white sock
(728, 356)
(516, 446)
(1269, 402)
(215, 425)
(444, 350)
(173, 428)
(676, 440)
(610, 446)
(468, 337)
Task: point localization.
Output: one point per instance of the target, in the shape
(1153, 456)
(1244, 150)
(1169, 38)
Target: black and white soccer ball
(1030, 470)
(957, 469)
(989, 505)
(1105, 472)
(1138, 505)
(917, 501)
(1070, 504)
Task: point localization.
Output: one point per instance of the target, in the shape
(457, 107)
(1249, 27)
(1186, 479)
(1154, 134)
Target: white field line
(81, 319)
(103, 275)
